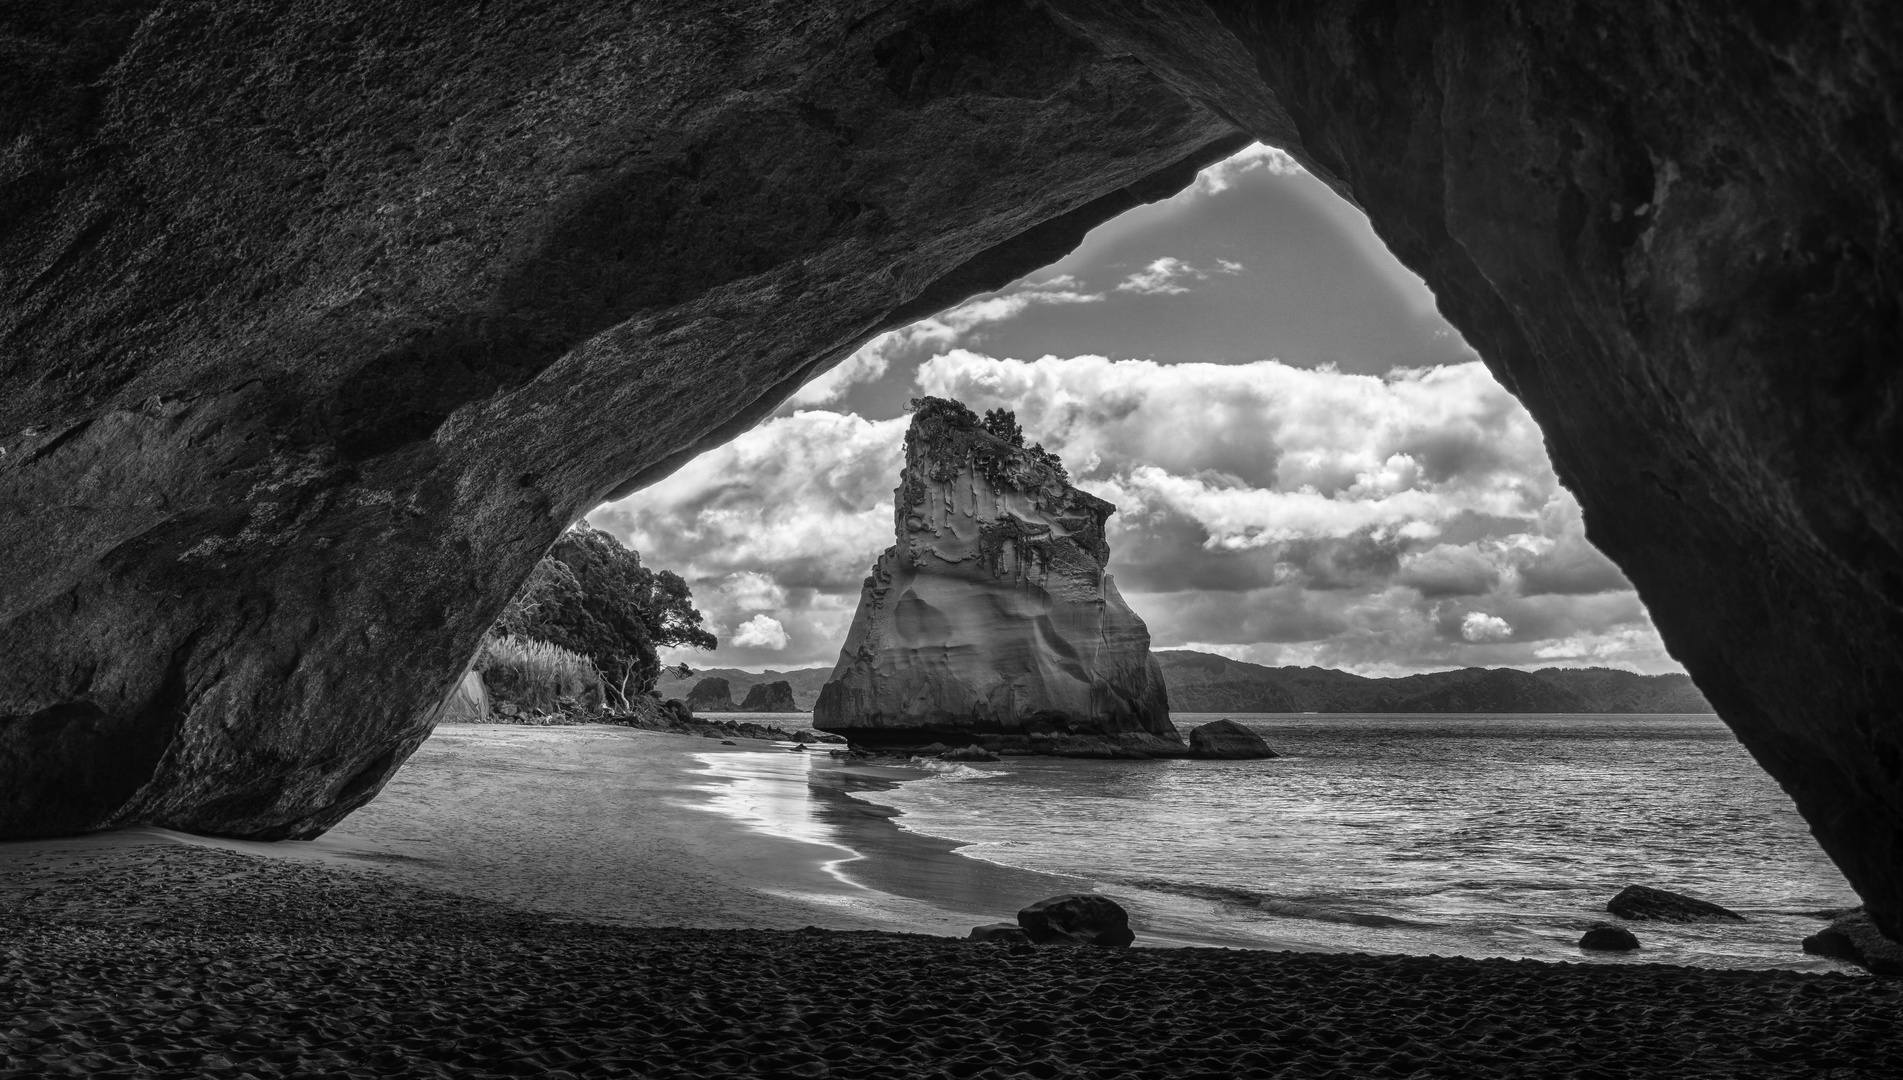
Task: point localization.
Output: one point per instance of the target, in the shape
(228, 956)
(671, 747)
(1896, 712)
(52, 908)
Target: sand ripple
(187, 962)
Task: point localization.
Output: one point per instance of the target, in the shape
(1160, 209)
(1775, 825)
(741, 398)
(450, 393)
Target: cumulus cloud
(871, 360)
(760, 632)
(1480, 626)
(1223, 175)
(1276, 514)
(780, 524)
(1311, 516)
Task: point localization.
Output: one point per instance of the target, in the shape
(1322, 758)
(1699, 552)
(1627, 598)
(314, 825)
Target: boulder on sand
(1009, 933)
(1077, 919)
(1605, 937)
(1853, 938)
(1227, 740)
(1641, 902)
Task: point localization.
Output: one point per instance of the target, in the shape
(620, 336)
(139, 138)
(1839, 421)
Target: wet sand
(454, 928)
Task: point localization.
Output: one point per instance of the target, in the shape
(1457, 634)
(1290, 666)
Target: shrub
(536, 674)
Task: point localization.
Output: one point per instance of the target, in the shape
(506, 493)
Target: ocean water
(1453, 835)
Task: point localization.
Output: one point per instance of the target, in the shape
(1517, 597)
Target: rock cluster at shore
(189, 962)
(991, 620)
(1853, 938)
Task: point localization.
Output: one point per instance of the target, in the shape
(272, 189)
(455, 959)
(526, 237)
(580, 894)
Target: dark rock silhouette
(991, 619)
(1852, 937)
(1004, 932)
(1227, 739)
(293, 405)
(1644, 902)
(769, 697)
(1605, 937)
(1077, 919)
(969, 753)
(710, 695)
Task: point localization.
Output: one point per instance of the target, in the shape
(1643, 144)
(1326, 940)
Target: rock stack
(712, 694)
(770, 697)
(991, 621)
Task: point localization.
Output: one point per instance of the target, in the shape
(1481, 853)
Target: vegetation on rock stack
(591, 596)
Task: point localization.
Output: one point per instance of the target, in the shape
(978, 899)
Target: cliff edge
(991, 620)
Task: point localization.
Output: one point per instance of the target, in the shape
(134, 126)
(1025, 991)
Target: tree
(592, 596)
(1004, 424)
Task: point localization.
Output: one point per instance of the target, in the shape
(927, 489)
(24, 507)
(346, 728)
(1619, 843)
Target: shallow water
(1457, 835)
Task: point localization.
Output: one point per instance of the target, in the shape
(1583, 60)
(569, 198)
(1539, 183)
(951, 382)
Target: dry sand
(148, 954)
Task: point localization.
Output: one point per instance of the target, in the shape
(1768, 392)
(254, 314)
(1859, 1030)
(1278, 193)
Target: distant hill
(1206, 683)
(805, 682)
(1201, 682)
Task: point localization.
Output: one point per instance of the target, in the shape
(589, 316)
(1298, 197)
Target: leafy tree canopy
(1004, 424)
(592, 596)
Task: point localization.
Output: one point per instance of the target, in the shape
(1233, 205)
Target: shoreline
(177, 960)
(371, 952)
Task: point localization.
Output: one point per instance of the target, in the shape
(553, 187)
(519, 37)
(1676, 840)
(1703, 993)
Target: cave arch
(319, 325)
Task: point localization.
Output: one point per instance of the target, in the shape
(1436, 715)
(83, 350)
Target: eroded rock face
(770, 697)
(992, 620)
(1672, 230)
(711, 695)
(318, 323)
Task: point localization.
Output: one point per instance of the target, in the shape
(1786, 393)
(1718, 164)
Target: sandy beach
(730, 933)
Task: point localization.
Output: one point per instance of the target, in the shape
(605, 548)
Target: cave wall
(1672, 231)
(316, 325)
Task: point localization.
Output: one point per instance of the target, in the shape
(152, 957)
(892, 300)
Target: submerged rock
(1642, 902)
(1227, 739)
(769, 697)
(992, 615)
(1605, 937)
(1854, 938)
(1077, 919)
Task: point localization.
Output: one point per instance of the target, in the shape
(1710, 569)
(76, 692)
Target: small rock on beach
(1605, 937)
(1077, 919)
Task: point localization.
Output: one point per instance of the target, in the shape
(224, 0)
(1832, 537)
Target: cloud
(782, 522)
(1160, 277)
(867, 364)
(760, 632)
(871, 360)
(1223, 174)
(1283, 515)
(1377, 523)
(1165, 276)
(1480, 626)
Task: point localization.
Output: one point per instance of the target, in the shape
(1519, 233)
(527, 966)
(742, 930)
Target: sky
(1310, 466)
